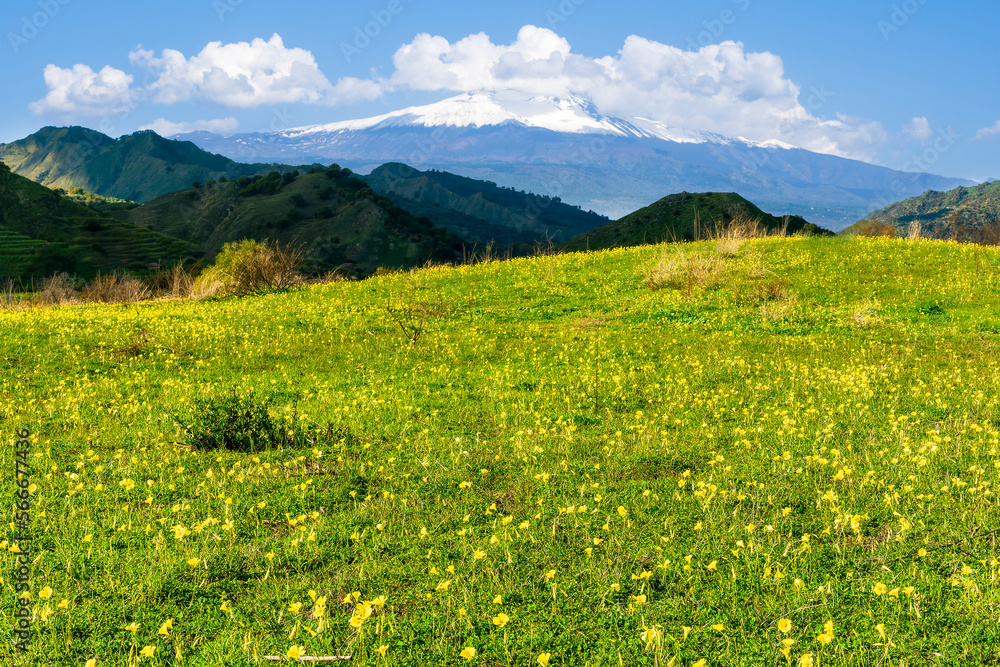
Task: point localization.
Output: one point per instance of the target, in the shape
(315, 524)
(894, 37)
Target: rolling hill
(139, 166)
(481, 211)
(943, 214)
(337, 216)
(42, 232)
(683, 217)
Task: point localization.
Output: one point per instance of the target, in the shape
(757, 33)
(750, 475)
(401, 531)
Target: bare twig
(973, 536)
(310, 658)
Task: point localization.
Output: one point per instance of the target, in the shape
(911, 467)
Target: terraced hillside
(44, 233)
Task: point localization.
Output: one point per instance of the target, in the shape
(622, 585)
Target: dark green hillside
(684, 217)
(333, 213)
(42, 232)
(138, 166)
(481, 211)
(974, 208)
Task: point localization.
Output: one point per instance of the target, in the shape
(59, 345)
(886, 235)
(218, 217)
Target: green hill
(42, 232)
(332, 212)
(684, 217)
(939, 213)
(481, 211)
(138, 167)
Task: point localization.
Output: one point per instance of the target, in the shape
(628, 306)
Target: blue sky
(908, 84)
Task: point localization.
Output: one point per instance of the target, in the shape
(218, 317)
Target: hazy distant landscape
(571, 334)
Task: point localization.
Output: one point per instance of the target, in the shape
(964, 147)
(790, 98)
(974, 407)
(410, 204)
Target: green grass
(738, 461)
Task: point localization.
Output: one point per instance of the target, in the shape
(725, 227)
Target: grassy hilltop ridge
(780, 453)
(686, 216)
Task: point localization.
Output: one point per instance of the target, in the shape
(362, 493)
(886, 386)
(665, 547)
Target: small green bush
(239, 423)
(248, 266)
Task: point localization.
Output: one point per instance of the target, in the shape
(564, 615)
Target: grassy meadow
(780, 451)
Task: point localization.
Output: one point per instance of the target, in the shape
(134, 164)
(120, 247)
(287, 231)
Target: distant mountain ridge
(564, 147)
(972, 208)
(480, 211)
(139, 167)
(685, 216)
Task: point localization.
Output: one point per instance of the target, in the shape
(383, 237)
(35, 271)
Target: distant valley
(565, 148)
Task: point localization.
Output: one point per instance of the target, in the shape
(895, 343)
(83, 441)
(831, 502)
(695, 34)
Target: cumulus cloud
(82, 91)
(166, 128)
(235, 75)
(918, 129)
(989, 132)
(245, 74)
(719, 88)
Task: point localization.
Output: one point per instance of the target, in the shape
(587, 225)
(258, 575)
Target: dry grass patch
(866, 315)
(687, 271)
(729, 238)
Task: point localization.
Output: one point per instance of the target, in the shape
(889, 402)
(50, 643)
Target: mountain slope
(139, 167)
(333, 213)
(974, 208)
(480, 211)
(683, 217)
(565, 147)
(42, 232)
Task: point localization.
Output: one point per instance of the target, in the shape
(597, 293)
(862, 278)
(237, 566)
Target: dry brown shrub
(874, 228)
(58, 289)
(12, 298)
(115, 288)
(175, 282)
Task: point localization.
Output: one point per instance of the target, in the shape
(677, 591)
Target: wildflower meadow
(784, 451)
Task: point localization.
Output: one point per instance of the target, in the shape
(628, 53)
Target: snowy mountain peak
(571, 115)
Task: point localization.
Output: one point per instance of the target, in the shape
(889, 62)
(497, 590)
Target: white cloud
(719, 88)
(242, 75)
(235, 75)
(80, 90)
(166, 128)
(989, 132)
(918, 129)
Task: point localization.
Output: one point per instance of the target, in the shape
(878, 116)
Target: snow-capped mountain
(565, 147)
(477, 110)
